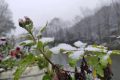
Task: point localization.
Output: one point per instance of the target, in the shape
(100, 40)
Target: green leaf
(39, 36)
(48, 53)
(9, 63)
(99, 70)
(42, 63)
(94, 45)
(109, 60)
(69, 53)
(22, 43)
(29, 27)
(94, 53)
(104, 60)
(92, 60)
(31, 43)
(89, 77)
(66, 52)
(115, 51)
(62, 50)
(43, 28)
(23, 64)
(27, 36)
(46, 77)
(72, 62)
(39, 45)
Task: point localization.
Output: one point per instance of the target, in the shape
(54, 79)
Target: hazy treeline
(99, 27)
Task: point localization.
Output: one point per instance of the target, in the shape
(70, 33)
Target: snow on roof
(47, 39)
(80, 44)
(76, 54)
(64, 46)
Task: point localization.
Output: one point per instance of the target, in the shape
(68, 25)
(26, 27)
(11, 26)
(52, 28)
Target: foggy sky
(41, 11)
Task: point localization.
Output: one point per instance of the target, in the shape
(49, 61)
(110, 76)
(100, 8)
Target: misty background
(42, 11)
(93, 21)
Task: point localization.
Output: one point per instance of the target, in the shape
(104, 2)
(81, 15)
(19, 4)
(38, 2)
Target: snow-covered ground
(79, 49)
(77, 54)
(63, 46)
(80, 44)
(47, 39)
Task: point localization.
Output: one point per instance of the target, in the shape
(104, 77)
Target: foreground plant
(94, 64)
(38, 54)
(6, 63)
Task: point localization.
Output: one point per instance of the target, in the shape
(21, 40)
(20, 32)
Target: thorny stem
(53, 63)
(43, 53)
(46, 57)
(41, 50)
(32, 36)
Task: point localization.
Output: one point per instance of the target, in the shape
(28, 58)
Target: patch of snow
(109, 52)
(91, 48)
(64, 46)
(80, 44)
(76, 54)
(47, 39)
(106, 57)
(1, 69)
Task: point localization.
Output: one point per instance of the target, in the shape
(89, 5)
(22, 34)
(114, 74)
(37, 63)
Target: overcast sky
(41, 11)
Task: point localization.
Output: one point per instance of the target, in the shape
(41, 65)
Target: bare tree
(116, 6)
(106, 14)
(6, 23)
